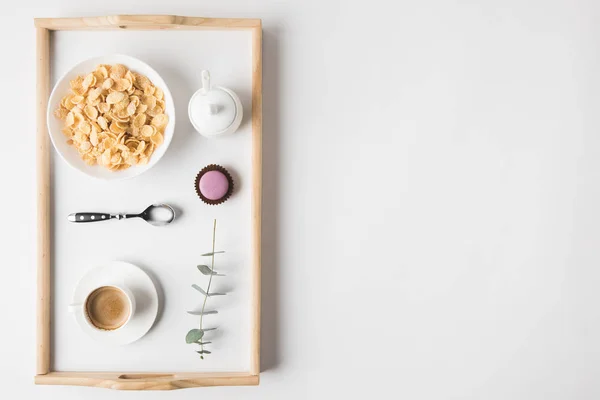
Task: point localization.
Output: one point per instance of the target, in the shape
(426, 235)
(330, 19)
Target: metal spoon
(156, 214)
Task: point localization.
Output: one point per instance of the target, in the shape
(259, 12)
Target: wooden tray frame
(127, 380)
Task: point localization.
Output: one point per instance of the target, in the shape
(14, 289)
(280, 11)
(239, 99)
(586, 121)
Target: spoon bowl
(158, 214)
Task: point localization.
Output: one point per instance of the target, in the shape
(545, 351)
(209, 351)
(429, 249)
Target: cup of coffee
(107, 308)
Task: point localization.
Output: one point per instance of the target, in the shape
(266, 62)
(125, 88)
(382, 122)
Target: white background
(430, 201)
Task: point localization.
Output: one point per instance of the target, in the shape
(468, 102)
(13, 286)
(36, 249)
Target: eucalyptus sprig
(196, 335)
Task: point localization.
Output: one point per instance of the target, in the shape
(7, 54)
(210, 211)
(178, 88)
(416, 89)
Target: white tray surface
(169, 254)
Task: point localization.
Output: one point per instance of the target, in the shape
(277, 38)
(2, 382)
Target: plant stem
(212, 267)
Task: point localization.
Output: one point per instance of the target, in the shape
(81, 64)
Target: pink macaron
(213, 184)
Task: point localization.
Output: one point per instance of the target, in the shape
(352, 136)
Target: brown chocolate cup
(213, 167)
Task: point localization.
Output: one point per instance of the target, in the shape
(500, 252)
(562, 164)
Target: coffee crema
(107, 308)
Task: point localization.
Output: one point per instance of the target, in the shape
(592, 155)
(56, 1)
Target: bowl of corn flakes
(111, 117)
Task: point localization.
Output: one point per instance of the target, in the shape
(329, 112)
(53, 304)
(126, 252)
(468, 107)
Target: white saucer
(144, 291)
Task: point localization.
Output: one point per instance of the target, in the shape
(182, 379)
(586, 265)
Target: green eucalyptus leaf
(205, 269)
(202, 313)
(194, 335)
(212, 253)
(203, 352)
(203, 343)
(198, 288)
(208, 329)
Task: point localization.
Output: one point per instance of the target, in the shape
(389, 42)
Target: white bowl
(69, 153)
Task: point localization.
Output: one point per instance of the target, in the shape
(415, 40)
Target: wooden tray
(46, 248)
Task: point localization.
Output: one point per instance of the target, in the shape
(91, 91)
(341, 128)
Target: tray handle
(147, 381)
(144, 376)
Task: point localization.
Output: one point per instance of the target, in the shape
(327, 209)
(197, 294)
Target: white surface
(140, 290)
(473, 274)
(62, 88)
(169, 253)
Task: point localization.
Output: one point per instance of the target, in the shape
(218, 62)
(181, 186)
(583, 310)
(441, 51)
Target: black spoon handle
(95, 217)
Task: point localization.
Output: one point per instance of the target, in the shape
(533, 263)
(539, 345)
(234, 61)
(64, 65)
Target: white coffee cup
(83, 307)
